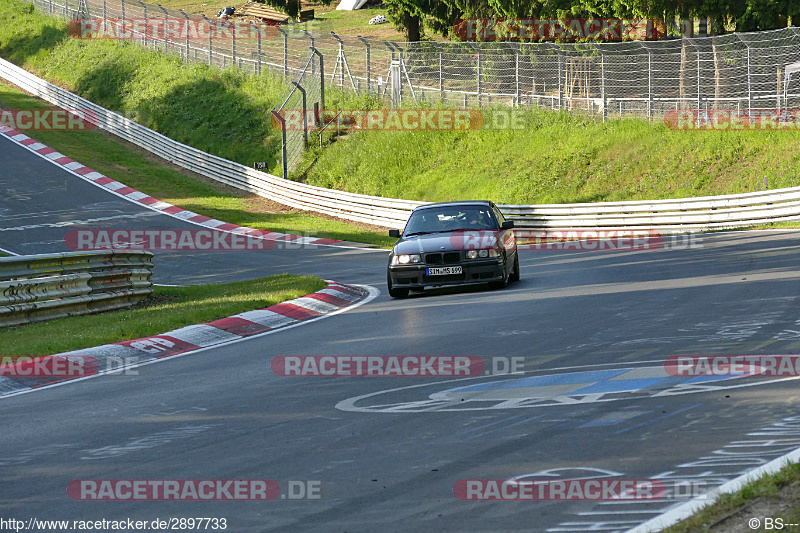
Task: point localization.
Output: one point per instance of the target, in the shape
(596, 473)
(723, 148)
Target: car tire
(515, 275)
(393, 292)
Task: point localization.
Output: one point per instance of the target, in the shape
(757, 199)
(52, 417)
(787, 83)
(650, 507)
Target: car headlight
(474, 254)
(405, 259)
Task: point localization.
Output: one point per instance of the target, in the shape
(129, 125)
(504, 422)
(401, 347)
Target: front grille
(448, 258)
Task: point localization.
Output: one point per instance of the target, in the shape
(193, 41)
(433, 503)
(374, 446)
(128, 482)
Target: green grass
(175, 307)
(767, 488)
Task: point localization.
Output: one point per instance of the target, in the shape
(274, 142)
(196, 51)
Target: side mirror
(508, 224)
(394, 233)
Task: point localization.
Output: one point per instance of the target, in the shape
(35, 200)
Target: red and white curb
(23, 377)
(138, 197)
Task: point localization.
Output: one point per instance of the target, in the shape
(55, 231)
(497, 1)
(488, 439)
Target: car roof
(470, 203)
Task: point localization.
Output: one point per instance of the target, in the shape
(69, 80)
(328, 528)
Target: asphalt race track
(592, 330)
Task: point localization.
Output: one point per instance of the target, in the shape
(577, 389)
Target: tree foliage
(416, 17)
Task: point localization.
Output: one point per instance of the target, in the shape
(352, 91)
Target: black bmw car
(453, 243)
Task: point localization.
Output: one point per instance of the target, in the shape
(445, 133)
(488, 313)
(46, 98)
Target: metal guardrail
(34, 288)
(680, 215)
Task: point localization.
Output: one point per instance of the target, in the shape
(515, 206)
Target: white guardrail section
(680, 215)
(34, 288)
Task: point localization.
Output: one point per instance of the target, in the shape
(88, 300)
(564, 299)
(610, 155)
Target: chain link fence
(740, 71)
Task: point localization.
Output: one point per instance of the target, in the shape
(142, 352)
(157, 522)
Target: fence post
(305, 119)
(283, 141)
(480, 87)
(369, 72)
(396, 82)
(699, 81)
(123, 14)
(187, 33)
(210, 32)
(258, 63)
(749, 86)
(441, 72)
(339, 59)
(603, 83)
(322, 77)
(560, 67)
(649, 83)
(144, 7)
(233, 46)
(515, 49)
(313, 72)
(285, 51)
(166, 28)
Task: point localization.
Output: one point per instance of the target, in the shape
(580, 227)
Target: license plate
(443, 271)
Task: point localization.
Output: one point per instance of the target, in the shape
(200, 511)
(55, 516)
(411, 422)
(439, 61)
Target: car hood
(435, 242)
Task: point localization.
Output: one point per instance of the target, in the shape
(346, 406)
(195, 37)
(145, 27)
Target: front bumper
(477, 271)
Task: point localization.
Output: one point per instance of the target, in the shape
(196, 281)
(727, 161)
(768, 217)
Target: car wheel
(393, 292)
(515, 274)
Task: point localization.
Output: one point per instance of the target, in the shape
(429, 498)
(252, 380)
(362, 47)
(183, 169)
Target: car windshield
(450, 219)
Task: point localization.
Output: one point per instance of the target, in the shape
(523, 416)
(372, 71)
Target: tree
(413, 17)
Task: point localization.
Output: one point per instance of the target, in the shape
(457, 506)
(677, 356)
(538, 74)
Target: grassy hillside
(222, 112)
(560, 157)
